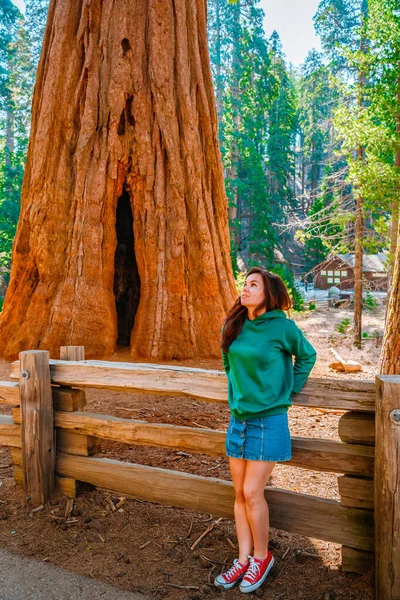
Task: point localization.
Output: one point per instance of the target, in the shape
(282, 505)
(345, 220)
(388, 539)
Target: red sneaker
(231, 577)
(256, 573)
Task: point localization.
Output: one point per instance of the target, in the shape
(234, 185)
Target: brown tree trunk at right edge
(394, 228)
(390, 354)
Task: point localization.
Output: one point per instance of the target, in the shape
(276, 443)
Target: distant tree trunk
(359, 231)
(123, 232)
(358, 272)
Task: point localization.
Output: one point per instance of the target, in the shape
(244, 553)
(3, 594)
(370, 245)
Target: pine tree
(245, 86)
(11, 134)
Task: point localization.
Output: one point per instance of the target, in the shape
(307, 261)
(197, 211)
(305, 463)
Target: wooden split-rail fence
(53, 443)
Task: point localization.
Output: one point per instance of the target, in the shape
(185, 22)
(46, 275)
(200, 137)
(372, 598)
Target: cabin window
(323, 272)
(330, 279)
(330, 273)
(344, 273)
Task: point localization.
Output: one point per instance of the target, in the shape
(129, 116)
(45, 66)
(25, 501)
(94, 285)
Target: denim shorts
(266, 438)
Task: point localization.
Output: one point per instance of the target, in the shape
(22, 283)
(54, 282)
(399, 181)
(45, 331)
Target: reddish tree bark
(123, 220)
(390, 354)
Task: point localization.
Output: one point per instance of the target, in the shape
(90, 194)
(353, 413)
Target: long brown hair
(276, 296)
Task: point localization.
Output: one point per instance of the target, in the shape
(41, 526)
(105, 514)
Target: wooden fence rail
(198, 383)
(369, 447)
(315, 454)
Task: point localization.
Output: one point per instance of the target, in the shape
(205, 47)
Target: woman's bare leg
(257, 474)
(243, 531)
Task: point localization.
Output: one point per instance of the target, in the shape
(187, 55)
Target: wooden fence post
(37, 426)
(357, 492)
(69, 441)
(72, 352)
(387, 490)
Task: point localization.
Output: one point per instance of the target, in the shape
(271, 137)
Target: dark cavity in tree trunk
(126, 276)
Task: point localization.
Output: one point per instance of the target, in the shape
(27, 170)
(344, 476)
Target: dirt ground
(145, 547)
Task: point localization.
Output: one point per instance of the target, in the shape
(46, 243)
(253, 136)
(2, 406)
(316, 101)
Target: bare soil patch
(146, 547)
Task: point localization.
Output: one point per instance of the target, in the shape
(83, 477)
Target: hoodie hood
(267, 316)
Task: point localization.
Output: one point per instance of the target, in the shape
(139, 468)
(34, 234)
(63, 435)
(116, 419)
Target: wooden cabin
(338, 270)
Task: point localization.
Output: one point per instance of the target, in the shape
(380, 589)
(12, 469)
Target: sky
(293, 21)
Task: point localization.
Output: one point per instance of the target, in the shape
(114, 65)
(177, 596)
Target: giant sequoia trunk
(390, 355)
(123, 232)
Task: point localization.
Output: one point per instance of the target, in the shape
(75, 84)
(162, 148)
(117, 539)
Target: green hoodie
(259, 366)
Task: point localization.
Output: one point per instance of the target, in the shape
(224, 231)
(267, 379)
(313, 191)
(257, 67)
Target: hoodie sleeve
(225, 360)
(304, 356)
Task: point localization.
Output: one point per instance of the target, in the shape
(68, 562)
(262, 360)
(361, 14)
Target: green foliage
(312, 306)
(240, 278)
(287, 276)
(337, 23)
(369, 301)
(20, 42)
(343, 326)
(315, 100)
(369, 119)
(257, 121)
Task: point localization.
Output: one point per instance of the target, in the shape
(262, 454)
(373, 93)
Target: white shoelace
(233, 570)
(253, 570)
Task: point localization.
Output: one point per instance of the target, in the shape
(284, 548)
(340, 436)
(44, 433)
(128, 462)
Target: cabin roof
(372, 263)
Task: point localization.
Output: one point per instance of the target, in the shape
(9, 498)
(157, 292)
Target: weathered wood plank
(200, 383)
(16, 415)
(298, 513)
(342, 394)
(16, 455)
(76, 443)
(64, 398)
(68, 399)
(155, 379)
(332, 456)
(315, 454)
(65, 485)
(72, 352)
(18, 475)
(357, 428)
(387, 493)
(131, 431)
(10, 432)
(71, 441)
(9, 393)
(356, 492)
(37, 419)
(71, 487)
(357, 561)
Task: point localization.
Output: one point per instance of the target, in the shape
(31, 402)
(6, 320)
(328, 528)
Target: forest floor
(145, 547)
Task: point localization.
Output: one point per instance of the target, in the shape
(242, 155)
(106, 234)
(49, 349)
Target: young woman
(258, 343)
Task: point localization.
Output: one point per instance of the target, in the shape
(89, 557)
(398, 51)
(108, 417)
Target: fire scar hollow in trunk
(123, 233)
